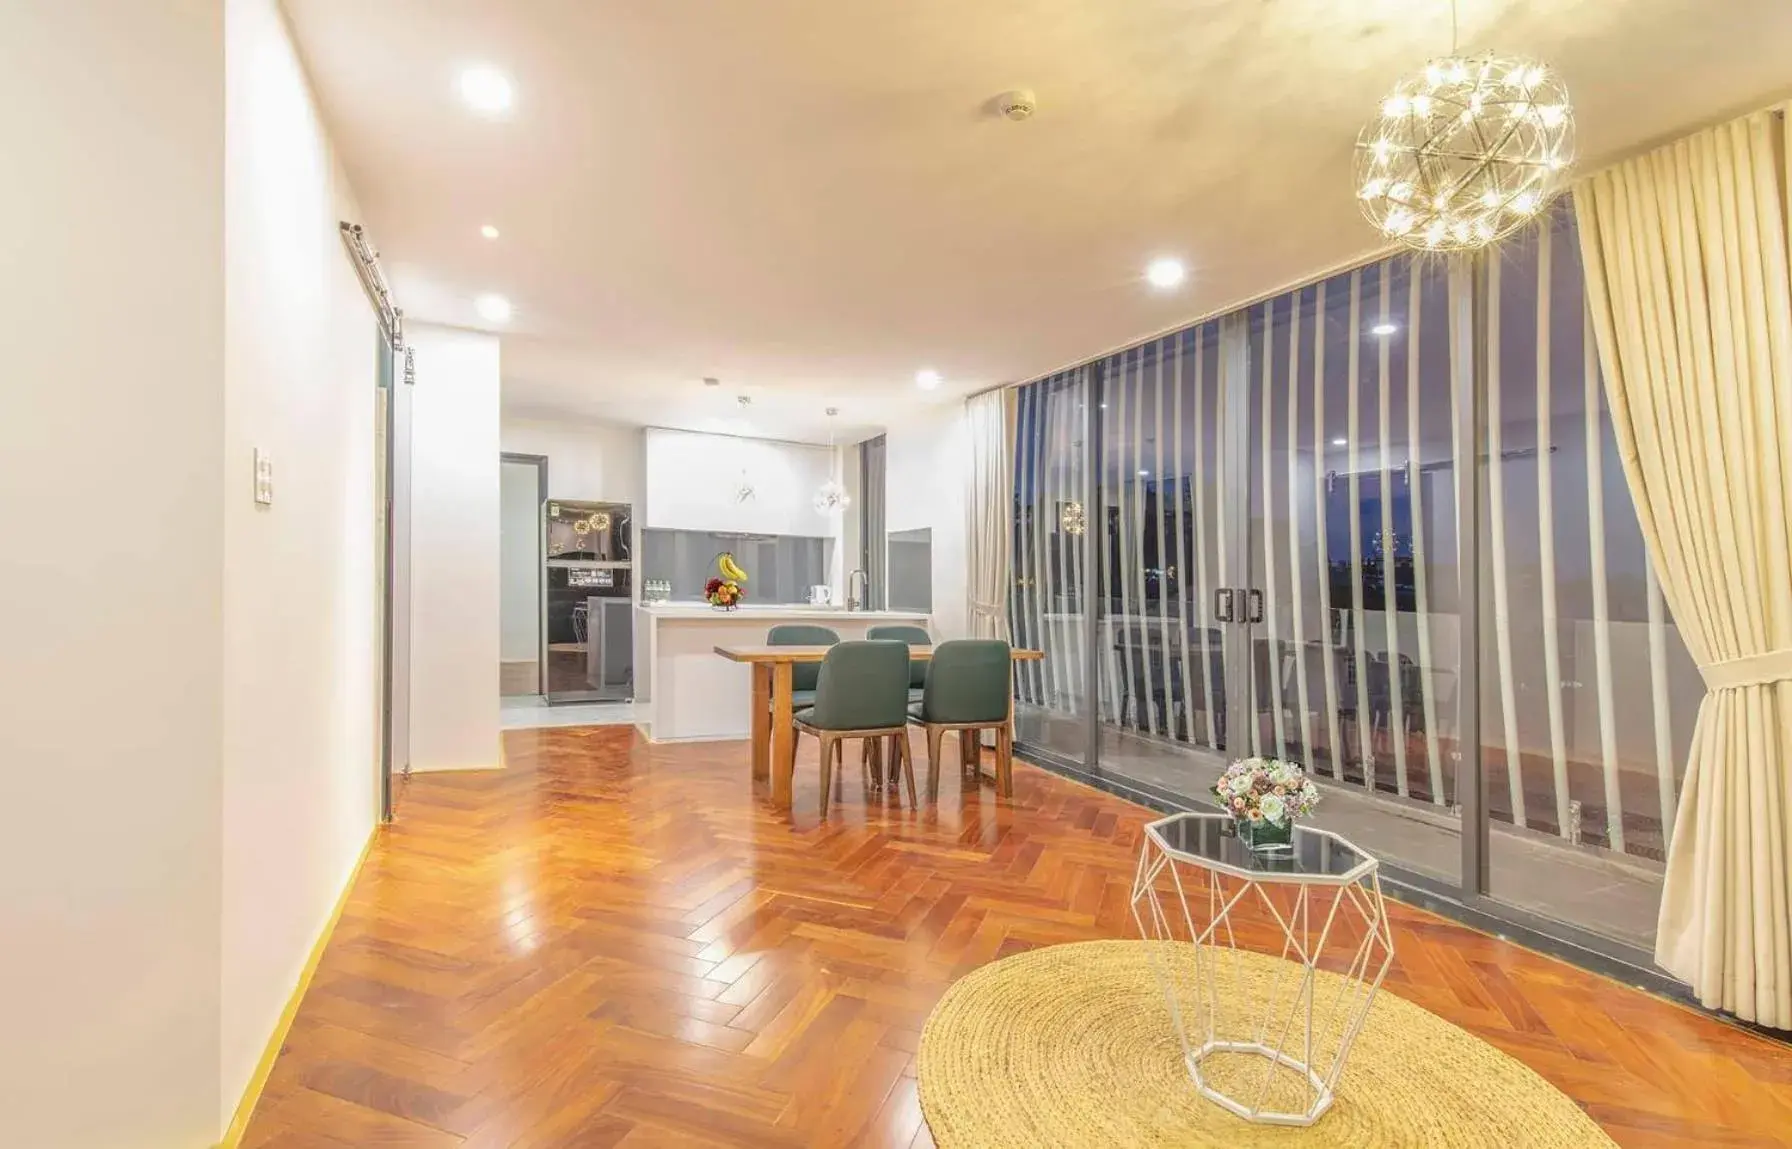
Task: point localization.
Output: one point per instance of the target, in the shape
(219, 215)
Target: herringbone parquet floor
(616, 944)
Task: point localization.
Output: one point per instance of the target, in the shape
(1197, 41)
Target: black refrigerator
(587, 601)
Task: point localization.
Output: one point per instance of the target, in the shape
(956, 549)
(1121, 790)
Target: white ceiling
(811, 200)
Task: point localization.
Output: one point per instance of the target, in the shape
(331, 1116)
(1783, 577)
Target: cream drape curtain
(989, 511)
(1687, 276)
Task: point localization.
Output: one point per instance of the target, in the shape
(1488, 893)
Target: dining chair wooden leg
(935, 736)
(828, 742)
(871, 754)
(899, 745)
(1005, 761)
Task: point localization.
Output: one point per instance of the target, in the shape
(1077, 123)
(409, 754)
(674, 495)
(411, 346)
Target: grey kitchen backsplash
(911, 569)
(780, 568)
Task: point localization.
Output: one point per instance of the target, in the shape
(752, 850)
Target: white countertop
(757, 611)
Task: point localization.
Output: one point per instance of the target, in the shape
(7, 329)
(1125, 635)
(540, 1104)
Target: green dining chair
(914, 636)
(802, 674)
(969, 687)
(862, 692)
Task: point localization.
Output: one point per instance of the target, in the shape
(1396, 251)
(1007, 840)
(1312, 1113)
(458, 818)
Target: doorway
(522, 489)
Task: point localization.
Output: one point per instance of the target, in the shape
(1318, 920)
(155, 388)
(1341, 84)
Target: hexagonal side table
(1266, 1039)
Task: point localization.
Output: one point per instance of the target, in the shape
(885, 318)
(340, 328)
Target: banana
(729, 568)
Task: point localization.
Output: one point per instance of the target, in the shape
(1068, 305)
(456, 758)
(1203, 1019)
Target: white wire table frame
(1196, 891)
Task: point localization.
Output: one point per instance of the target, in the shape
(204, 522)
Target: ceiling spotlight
(1165, 273)
(927, 379)
(489, 232)
(1340, 442)
(1383, 329)
(493, 308)
(486, 90)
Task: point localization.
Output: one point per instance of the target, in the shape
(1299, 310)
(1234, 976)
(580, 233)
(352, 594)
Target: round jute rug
(1072, 1045)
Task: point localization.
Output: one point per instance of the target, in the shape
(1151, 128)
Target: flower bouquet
(722, 593)
(1265, 796)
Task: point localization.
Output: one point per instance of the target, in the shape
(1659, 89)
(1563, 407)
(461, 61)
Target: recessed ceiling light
(1383, 329)
(927, 379)
(489, 232)
(1165, 273)
(493, 308)
(486, 90)
(711, 381)
(1340, 442)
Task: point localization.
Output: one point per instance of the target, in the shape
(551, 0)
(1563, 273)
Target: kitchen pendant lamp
(831, 498)
(1465, 152)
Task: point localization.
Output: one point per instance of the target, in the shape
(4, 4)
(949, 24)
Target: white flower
(1272, 808)
(1242, 784)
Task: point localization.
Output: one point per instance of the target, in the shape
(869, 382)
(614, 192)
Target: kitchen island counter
(685, 692)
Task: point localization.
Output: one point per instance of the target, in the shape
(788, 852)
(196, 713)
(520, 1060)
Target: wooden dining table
(771, 706)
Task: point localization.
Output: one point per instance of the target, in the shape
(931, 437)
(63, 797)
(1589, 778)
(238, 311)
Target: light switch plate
(264, 478)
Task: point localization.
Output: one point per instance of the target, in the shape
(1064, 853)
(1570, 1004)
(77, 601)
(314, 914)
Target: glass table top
(1211, 841)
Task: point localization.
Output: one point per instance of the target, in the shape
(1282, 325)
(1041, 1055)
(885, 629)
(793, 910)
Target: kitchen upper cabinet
(698, 482)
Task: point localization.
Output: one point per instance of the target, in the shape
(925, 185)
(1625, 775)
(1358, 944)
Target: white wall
(454, 549)
(926, 467)
(587, 459)
(301, 647)
(111, 575)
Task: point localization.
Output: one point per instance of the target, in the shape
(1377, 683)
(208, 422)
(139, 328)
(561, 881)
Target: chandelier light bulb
(1465, 152)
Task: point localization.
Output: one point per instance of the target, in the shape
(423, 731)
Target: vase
(1266, 837)
(724, 606)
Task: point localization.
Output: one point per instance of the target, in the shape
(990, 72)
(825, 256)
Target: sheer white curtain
(989, 511)
(1687, 277)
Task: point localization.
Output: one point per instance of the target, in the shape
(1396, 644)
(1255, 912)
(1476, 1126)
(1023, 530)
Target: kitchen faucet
(858, 589)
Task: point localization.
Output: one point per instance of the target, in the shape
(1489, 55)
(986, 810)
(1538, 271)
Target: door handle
(1254, 606)
(1222, 605)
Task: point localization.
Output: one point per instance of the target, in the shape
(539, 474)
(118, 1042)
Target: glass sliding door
(1352, 649)
(1377, 525)
(1049, 596)
(1588, 695)
(1163, 666)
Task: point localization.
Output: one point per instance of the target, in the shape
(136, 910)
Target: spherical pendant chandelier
(1466, 152)
(831, 499)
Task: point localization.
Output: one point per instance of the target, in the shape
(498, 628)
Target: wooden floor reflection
(617, 944)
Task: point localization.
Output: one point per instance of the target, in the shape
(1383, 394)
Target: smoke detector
(1020, 104)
